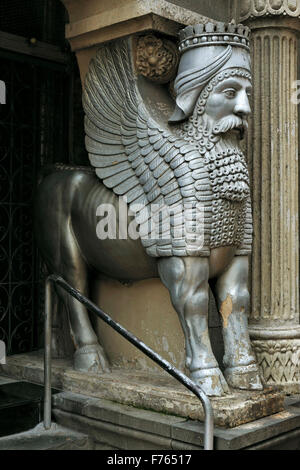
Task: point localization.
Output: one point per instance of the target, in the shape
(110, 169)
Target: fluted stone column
(273, 159)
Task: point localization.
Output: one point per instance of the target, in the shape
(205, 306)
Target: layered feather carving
(135, 156)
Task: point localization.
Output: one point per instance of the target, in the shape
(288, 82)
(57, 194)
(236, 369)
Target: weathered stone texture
(148, 391)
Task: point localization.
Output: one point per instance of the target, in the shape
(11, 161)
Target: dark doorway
(36, 128)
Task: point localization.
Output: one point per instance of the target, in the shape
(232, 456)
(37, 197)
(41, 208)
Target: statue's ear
(177, 116)
(185, 105)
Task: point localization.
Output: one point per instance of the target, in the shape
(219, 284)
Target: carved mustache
(231, 122)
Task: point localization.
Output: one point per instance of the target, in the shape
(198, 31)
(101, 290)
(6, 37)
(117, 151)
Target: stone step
(57, 438)
(21, 413)
(148, 390)
(21, 406)
(114, 426)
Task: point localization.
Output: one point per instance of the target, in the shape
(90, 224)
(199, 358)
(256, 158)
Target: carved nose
(242, 107)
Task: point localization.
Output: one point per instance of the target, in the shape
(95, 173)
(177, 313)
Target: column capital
(268, 8)
(277, 11)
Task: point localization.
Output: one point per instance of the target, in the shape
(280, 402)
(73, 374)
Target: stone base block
(120, 427)
(56, 438)
(147, 390)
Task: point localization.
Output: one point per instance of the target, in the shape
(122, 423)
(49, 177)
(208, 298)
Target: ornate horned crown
(214, 35)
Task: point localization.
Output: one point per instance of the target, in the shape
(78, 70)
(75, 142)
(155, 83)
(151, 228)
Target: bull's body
(70, 197)
(66, 222)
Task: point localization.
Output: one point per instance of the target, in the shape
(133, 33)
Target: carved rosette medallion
(156, 59)
(257, 8)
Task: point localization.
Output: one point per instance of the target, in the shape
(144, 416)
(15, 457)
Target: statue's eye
(230, 92)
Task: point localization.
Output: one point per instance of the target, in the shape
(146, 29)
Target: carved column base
(279, 362)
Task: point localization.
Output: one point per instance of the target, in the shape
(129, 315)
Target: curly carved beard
(200, 127)
(229, 123)
(219, 143)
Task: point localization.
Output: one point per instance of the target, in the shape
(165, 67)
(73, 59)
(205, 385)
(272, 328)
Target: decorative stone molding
(94, 22)
(275, 333)
(279, 362)
(258, 8)
(156, 59)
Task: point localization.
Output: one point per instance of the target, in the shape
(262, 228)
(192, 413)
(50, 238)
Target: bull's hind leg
(187, 282)
(232, 297)
(89, 355)
(61, 253)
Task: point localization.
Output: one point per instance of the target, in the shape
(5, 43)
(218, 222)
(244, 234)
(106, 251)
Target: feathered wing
(133, 155)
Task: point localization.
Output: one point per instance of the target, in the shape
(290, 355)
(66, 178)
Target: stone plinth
(152, 391)
(56, 438)
(113, 426)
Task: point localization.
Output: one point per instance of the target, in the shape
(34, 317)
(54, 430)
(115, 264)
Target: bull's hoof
(244, 377)
(211, 381)
(91, 358)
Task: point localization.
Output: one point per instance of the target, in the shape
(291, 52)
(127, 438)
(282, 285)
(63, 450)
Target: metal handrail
(177, 374)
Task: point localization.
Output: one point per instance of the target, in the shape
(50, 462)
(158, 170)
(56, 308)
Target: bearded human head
(212, 54)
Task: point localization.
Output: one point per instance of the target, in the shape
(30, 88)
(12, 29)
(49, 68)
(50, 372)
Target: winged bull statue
(189, 162)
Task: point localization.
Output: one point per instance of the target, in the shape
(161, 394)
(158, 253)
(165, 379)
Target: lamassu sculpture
(190, 159)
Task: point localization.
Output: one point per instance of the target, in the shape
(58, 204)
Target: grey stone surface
(157, 392)
(6, 380)
(120, 415)
(287, 441)
(57, 438)
(114, 426)
(120, 437)
(218, 9)
(122, 427)
(293, 400)
(246, 435)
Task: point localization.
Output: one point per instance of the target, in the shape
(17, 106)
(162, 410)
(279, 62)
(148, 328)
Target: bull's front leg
(232, 297)
(187, 281)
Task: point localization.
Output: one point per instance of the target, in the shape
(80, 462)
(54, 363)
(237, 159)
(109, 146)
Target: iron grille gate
(35, 129)
(41, 19)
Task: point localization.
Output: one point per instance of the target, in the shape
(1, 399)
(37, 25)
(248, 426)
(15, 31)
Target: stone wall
(217, 9)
